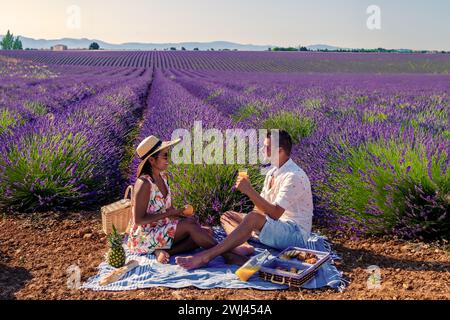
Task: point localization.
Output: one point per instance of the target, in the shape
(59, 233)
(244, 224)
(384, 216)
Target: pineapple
(116, 253)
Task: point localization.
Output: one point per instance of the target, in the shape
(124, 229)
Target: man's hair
(285, 140)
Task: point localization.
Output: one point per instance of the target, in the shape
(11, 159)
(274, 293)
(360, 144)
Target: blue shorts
(281, 234)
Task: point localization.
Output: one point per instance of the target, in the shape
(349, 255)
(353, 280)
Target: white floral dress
(145, 239)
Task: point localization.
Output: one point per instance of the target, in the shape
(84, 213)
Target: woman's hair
(147, 169)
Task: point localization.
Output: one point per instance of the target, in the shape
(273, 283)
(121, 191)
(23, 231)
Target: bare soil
(36, 251)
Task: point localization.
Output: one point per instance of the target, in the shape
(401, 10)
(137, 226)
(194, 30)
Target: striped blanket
(151, 274)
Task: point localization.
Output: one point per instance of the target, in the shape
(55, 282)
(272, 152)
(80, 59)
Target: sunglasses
(164, 156)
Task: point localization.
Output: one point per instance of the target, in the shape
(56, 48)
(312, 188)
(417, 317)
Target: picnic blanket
(217, 274)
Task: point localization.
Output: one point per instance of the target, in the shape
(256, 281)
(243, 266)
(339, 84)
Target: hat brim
(164, 145)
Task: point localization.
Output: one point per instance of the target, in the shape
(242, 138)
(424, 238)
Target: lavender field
(372, 131)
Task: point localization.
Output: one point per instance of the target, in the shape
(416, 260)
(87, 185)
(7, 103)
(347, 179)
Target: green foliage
(210, 188)
(361, 99)
(404, 106)
(8, 120)
(94, 46)
(297, 125)
(17, 45)
(246, 112)
(370, 116)
(38, 108)
(285, 49)
(114, 239)
(8, 41)
(214, 94)
(312, 104)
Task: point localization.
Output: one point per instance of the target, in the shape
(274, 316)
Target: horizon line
(227, 41)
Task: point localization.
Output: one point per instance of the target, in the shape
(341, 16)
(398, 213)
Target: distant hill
(84, 43)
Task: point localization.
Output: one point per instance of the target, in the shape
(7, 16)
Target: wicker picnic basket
(118, 213)
(296, 282)
(306, 272)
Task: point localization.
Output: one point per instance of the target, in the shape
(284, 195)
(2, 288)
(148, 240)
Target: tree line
(300, 48)
(9, 42)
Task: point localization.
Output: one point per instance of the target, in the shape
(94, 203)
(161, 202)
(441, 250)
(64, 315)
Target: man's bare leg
(230, 220)
(254, 221)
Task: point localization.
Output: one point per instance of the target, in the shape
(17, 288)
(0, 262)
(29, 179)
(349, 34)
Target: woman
(157, 227)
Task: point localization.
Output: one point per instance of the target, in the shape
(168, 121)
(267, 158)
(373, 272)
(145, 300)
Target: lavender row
(23, 99)
(249, 61)
(75, 158)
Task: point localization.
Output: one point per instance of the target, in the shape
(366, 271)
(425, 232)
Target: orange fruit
(188, 211)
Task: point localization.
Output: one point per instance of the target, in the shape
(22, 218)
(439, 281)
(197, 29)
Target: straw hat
(149, 147)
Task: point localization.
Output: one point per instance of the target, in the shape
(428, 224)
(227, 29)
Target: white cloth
(291, 191)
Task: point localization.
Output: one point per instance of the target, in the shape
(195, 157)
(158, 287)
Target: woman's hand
(175, 213)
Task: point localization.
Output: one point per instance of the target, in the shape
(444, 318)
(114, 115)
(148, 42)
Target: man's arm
(273, 211)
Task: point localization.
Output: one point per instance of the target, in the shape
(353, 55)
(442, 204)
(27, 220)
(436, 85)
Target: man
(283, 211)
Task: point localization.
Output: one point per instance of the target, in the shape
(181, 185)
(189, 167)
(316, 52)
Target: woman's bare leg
(202, 238)
(185, 245)
(230, 221)
(188, 244)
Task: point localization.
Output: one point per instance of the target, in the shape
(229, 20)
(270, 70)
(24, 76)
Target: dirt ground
(36, 252)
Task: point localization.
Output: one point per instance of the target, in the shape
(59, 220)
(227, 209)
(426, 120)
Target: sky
(413, 24)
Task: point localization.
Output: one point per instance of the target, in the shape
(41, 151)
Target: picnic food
(117, 274)
(307, 257)
(302, 256)
(116, 253)
(289, 255)
(188, 211)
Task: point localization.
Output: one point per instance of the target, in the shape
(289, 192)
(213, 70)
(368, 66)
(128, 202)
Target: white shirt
(291, 191)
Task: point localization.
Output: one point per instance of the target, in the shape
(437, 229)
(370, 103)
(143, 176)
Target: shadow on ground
(12, 279)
